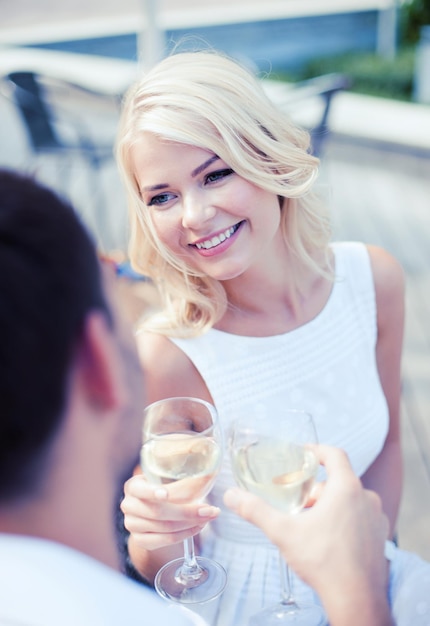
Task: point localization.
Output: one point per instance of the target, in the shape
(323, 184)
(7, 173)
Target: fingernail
(208, 511)
(160, 493)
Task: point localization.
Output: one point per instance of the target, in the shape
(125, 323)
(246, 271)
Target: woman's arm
(385, 474)
(156, 518)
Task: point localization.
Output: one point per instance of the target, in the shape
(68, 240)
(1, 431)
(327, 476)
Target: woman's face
(203, 212)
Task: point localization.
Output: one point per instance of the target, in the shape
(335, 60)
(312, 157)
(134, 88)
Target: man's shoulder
(48, 583)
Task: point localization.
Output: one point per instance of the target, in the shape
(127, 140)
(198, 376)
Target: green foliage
(370, 74)
(414, 14)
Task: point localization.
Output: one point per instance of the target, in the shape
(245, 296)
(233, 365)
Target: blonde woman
(259, 309)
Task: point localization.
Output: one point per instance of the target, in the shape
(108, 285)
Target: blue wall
(277, 44)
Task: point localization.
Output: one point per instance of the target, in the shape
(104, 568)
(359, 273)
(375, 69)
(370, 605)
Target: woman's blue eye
(162, 198)
(213, 177)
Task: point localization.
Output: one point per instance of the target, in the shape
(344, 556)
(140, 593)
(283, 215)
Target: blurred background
(356, 73)
(376, 53)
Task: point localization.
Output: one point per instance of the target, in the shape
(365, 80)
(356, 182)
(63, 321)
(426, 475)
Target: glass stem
(190, 567)
(286, 595)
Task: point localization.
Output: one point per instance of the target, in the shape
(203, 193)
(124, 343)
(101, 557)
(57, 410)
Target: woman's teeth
(215, 241)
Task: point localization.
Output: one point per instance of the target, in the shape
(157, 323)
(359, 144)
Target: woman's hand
(159, 516)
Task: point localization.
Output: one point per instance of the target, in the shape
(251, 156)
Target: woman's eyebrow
(194, 173)
(204, 165)
(155, 187)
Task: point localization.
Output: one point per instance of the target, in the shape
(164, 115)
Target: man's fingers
(250, 507)
(275, 524)
(242, 502)
(334, 459)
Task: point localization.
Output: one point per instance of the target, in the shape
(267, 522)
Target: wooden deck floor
(383, 197)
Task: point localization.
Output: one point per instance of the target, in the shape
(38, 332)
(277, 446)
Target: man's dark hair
(49, 281)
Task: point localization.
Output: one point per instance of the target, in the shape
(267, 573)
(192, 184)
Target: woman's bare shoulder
(167, 369)
(389, 279)
(388, 273)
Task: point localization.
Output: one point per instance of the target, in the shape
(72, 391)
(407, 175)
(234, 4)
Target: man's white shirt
(43, 583)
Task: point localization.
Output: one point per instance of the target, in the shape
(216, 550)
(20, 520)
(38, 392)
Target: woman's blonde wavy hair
(207, 100)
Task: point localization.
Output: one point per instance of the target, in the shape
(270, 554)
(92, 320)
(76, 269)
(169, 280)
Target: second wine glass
(271, 457)
(182, 441)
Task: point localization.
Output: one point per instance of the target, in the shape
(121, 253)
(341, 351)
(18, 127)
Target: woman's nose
(196, 211)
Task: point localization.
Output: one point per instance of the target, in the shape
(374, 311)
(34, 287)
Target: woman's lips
(216, 240)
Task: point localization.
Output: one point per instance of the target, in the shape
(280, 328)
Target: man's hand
(336, 546)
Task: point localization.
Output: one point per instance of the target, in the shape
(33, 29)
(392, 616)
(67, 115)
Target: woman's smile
(209, 244)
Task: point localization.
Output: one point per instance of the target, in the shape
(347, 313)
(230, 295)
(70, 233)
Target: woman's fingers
(158, 516)
(154, 541)
(168, 511)
(187, 490)
(147, 525)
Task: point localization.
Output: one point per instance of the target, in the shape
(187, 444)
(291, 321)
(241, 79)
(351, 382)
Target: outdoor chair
(309, 103)
(57, 122)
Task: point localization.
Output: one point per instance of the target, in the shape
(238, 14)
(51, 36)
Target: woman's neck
(269, 301)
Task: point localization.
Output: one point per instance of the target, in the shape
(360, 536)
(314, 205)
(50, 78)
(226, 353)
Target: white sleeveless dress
(327, 367)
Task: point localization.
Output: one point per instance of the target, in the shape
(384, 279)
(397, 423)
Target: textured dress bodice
(327, 367)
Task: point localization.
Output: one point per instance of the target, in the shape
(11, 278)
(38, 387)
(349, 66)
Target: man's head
(52, 301)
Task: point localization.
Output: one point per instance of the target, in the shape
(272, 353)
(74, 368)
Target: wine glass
(271, 457)
(182, 441)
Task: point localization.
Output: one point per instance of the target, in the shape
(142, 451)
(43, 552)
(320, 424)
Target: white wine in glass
(280, 472)
(176, 456)
(182, 441)
(272, 457)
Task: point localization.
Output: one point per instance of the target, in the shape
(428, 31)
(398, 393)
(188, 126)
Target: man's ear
(97, 363)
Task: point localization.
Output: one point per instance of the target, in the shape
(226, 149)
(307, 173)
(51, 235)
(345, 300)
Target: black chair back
(35, 111)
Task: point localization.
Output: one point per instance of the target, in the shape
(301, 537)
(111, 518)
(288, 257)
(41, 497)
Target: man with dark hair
(70, 421)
